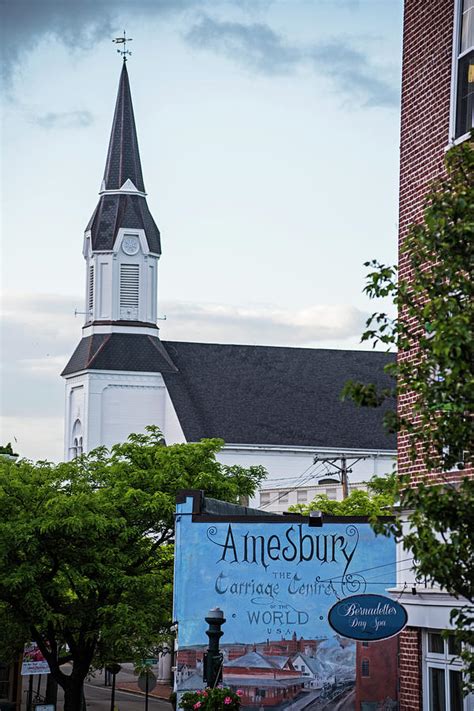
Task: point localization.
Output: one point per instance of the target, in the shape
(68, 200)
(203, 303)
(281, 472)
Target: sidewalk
(161, 691)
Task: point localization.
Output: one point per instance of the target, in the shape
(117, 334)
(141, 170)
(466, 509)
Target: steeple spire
(123, 157)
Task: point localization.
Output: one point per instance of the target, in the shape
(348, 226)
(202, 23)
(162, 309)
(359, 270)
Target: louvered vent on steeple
(129, 290)
(91, 288)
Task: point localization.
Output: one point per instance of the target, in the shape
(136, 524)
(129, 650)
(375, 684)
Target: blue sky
(269, 135)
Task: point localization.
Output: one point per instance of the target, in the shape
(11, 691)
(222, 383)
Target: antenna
(123, 41)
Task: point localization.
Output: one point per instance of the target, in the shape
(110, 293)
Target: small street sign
(142, 681)
(113, 668)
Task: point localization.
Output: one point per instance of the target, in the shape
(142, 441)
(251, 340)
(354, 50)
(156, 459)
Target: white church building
(275, 406)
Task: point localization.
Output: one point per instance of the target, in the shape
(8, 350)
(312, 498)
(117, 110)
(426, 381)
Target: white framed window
(460, 456)
(283, 497)
(443, 675)
(463, 70)
(264, 498)
(302, 496)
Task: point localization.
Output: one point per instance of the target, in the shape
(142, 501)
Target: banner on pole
(33, 661)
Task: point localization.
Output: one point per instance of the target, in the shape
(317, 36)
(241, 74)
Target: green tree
(434, 376)
(86, 548)
(377, 501)
(8, 450)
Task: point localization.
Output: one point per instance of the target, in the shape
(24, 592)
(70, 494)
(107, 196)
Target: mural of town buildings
(284, 673)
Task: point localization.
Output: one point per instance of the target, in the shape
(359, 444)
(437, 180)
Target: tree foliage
(378, 500)
(8, 449)
(434, 382)
(86, 548)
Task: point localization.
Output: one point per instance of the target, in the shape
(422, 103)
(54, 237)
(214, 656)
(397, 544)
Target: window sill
(457, 141)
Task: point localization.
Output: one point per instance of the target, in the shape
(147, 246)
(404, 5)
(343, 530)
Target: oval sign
(367, 618)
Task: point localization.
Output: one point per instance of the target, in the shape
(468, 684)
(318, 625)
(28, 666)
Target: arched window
(76, 440)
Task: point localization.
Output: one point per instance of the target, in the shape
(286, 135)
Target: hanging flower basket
(218, 699)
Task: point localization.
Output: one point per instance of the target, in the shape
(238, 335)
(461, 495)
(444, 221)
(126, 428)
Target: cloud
(256, 45)
(352, 72)
(260, 48)
(267, 325)
(79, 24)
(65, 119)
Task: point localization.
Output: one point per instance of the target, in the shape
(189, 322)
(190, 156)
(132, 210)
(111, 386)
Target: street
(98, 697)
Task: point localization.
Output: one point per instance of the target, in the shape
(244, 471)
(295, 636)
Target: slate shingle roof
(123, 163)
(116, 211)
(253, 394)
(120, 351)
(123, 157)
(273, 395)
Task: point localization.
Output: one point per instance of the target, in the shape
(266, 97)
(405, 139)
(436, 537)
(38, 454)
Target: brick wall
(410, 669)
(426, 87)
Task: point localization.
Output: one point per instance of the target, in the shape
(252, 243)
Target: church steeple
(115, 373)
(122, 242)
(123, 157)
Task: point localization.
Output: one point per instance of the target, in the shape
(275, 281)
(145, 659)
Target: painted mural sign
(367, 618)
(276, 579)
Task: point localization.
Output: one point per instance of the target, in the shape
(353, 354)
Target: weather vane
(123, 50)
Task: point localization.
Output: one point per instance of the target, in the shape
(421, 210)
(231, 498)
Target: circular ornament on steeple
(130, 245)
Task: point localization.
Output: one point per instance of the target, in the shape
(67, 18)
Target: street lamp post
(113, 669)
(212, 672)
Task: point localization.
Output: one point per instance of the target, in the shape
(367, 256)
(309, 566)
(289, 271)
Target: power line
(300, 481)
(284, 492)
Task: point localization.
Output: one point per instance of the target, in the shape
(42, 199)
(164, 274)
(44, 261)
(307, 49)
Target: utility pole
(344, 472)
(341, 468)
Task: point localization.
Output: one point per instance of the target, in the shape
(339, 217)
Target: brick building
(437, 111)
(376, 674)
